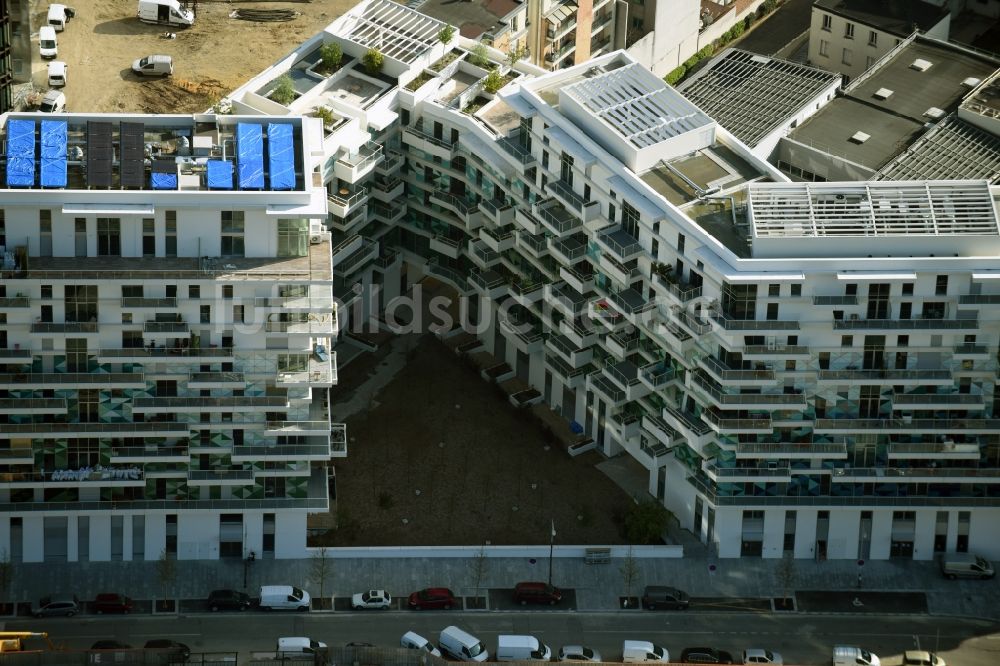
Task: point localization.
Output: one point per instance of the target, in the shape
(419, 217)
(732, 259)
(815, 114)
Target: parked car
(433, 598)
(921, 658)
(966, 565)
(110, 645)
(57, 71)
(638, 652)
(294, 645)
(759, 656)
(705, 655)
(53, 102)
(168, 647)
(537, 593)
(56, 604)
(378, 599)
(48, 46)
(661, 596)
(415, 641)
(154, 65)
(578, 653)
(227, 600)
(111, 602)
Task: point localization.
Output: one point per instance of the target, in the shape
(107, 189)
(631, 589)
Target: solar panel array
(100, 154)
(132, 169)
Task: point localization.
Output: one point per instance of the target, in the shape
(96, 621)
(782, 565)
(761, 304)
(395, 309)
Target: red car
(111, 602)
(537, 593)
(433, 598)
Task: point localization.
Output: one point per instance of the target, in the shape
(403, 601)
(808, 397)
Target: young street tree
(166, 574)
(630, 573)
(478, 568)
(321, 569)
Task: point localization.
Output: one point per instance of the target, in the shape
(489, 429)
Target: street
(801, 638)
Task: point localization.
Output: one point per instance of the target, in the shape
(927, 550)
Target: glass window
(232, 234)
(827, 22)
(293, 238)
(109, 237)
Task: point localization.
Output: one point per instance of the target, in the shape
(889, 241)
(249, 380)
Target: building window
(148, 237)
(630, 219)
(681, 240)
(869, 61)
(109, 237)
(170, 242)
(846, 57)
(227, 291)
(194, 291)
(232, 233)
(566, 169)
(848, 31)
(827, 22)
(76, 355)
(205, 312)
(88, 402)
(907, 289)
(45, 233)
(941, 285)
(3, 229)
(796, 290)
(81, 302)
(293, 238)
(739, 301)
(847, 341)
(824, 48)
(773, 290)
(872, 38)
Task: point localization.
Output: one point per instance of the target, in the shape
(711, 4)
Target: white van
(638, 652)
(165, 12)
(47, 46)
(300, 645)
(414, 641)
(57, 17)
(522, 648)
(848, 655)
(965, 565)
(461, 645)
(154, 65)
(284, 597)
(57, 74)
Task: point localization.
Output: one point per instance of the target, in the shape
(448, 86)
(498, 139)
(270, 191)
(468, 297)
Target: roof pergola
(397, 31)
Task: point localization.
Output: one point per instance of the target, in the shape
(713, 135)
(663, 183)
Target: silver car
(56, 604)
(578, 653)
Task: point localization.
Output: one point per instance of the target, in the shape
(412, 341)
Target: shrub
(284, 92)
(445, 34)
(373, 61)
(331, 55)
(479, 55)
(646, 522)
(324, 114)
(675, 75)
(493, 81)
(514, 55)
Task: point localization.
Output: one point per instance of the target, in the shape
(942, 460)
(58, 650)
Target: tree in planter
(785, 573)
(331, 55)
(493, 81)
(478, 568)
(630, 572)
(284, 92)
(446, 34)
(646, 522)
(373, 61)
(515, 54)
(479, 56)
(324, 114)
(166, 574)
(321, 569)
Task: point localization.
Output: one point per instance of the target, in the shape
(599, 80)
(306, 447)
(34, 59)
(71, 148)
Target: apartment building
(801, 368)
(166, 288)
(6, 60)
(849, 36)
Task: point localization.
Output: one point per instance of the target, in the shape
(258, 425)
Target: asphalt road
(801, 639)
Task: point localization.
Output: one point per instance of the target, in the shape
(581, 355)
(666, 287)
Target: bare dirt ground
(211, 58)
(472, 465)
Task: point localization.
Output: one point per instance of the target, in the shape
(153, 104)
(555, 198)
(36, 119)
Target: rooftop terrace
(685, 179)
(399, 32)
(472, 18)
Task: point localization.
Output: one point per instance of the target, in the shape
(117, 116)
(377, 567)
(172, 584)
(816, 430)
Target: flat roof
(985, 98)
(750, 94)
(636, 105)
(472, 18)
(872, 209)
(893, 16)
(952, 150)
(396, 30)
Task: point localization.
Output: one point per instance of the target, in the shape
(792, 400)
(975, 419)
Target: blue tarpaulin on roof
(281, 156)
(163, 181)
(20, 153)
(53, 153)
(220, 175)
(250, 156)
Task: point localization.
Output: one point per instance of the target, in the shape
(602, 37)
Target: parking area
(211, 58)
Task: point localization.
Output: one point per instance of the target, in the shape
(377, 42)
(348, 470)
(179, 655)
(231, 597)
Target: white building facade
(162, 391)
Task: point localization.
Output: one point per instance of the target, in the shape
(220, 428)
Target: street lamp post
(552, 543)
(246, 566)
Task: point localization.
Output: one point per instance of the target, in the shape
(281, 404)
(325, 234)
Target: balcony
(566, 349)
(580, 334)
(162, 354)
(229, 405)
(149, 454)
(621, 344)
(608, 390)
(527, 220)
(496, 239)
(32, 406)
(536, 246)
(468, 212)
(526, 291)
(220, 380)
(579, 278)
(556, 218)
(346, 200)
(979, 299)
(777, 351)
(724, 400)
(629, 301)
(680, 292)
(481, 254)
(72, 380)
(162, 326)
(512, 147)
(387, 259)
(603, 312)
(622, 245)
(917, 377)
(775, 473)
(355, 261)
(297, 304)
(15, 356)
(417, 138)
(697, 432)
(946, 401)
(726, 375)
(656, 375)
(569, 250)
(570, 376)
(907, 425)
(755, 324)
(319, 452)
(617, 271)
(88, 430)
(352, 166)
(500, 212)
(625, 375)
(971, 351)
(18, 455)
(858, 324)
(737, 425)
(566, 300)
(64, 327)
(131, 302)
(658, 429)
(315, 324)
(452, 276)
(564, 192)
(220, 477)
(387, 189)
(935, 450)
(297, 429)
(449, 247)
(16, 302)
(527, 337)
(917, 474)
(791, 451)
(488, 283)
(625, 424)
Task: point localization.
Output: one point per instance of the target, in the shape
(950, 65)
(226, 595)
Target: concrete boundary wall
(380, 552)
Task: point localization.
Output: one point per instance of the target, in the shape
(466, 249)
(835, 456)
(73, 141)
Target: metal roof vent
(860, 137)
(921, 65)
(971, 82)
(883, 93)
(934, 113)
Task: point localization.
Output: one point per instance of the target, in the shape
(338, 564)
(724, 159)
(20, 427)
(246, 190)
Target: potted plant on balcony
(284, 91)
(493, 81)
(479, 56)
(373, 61)
(665, 272)
(331, 55)
(326, 115)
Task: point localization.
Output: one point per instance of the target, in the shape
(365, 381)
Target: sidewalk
(597, 587)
